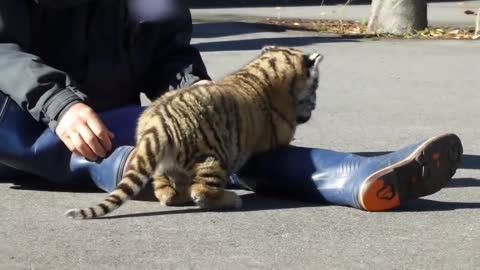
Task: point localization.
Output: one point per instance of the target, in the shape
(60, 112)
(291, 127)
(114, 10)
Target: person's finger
(203, 82)
(77, 153)
(92, 141)
(68, 142)
(82, 147)
(101, 132)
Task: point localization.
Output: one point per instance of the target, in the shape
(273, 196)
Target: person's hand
(82, 131)
(203, 82)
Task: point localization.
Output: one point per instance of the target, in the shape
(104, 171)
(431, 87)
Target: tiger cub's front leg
(167, 194)
(207, 190)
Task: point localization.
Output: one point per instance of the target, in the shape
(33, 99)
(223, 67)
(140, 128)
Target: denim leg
(33, 148)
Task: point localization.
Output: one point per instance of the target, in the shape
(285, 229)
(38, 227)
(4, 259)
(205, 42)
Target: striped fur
(190, 140)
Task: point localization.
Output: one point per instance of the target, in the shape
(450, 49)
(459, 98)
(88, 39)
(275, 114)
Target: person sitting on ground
(73, 70)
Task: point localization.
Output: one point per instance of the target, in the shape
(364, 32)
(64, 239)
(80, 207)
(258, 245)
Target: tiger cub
(189, 141)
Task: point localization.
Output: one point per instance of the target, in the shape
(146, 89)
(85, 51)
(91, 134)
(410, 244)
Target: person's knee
(155, 11)
(14, 119)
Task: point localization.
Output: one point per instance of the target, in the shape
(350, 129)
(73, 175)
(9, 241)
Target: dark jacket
(55, 53)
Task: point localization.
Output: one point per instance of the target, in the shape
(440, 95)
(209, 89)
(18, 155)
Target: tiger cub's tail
(141, 168)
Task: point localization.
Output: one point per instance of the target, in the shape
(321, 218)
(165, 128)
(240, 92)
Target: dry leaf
(454, 32)
(346, 27)
(470, 12)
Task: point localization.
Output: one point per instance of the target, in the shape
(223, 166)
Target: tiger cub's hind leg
(167, 194)
(207, 190)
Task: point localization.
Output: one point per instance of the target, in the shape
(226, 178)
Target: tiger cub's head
(301, 73)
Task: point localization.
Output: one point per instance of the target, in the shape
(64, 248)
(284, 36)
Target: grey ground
(374, 96)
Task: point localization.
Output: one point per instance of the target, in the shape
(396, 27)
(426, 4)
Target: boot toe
(425, 171)
(106, 173)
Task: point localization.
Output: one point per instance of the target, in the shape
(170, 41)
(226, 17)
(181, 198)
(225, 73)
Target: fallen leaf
(454, 32)
(470, 12)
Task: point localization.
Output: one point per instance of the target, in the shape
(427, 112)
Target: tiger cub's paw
(232, 200)
(227, 199)
(177, 200)
(167, 196)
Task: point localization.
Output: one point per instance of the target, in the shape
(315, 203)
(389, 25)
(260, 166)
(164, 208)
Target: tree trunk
(397, 16)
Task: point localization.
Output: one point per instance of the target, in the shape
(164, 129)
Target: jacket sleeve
(178, 64)
(61, 4)
(43, 91)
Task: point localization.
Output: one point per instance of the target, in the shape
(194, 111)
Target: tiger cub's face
(306, 91)
(304, 82)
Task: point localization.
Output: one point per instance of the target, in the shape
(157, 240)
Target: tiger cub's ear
(312, 60)
(268, 48)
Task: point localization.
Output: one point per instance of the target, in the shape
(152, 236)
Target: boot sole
(424, 172)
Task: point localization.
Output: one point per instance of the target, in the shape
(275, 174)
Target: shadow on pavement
(463, 182)
(222, 29)
(470, 162)
(424, 205)
(257, 44)
(35, 183)
(254, 202)
(251, 202)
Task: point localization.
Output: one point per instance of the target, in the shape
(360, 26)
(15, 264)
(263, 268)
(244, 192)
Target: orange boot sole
(427, 170)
